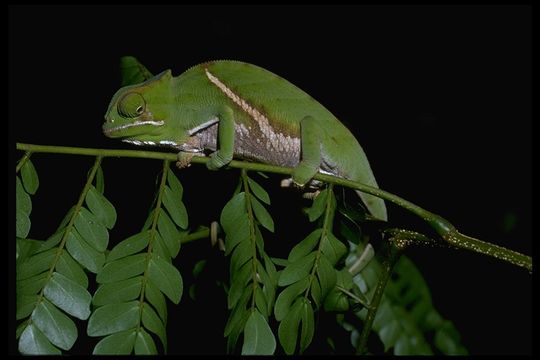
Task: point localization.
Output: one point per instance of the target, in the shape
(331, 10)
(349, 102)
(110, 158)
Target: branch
(442, 226)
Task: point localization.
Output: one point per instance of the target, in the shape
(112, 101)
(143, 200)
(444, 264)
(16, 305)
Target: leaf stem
(253, 236)
(197, 235)
(69, 226)
(442, 226)
(326, 228)
(387, 267)
(23, 160)
(153, 231)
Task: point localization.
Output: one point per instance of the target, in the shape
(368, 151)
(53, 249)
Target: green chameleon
(238, 110)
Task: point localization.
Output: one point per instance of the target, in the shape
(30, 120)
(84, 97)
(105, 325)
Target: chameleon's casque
(235, 109)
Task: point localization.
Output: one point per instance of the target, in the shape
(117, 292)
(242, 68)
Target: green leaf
(91, 230)
(132, 71)
(237, 235)
(23, 201)
(153, 323)
(159, 248)
(68, 296)
(55, 325)
(116, 344)
(156, 298)
(149, 220)
(260, 301)
(129, 246)
(447, 340)
(112, 318)
(25, 305)
(327, 276)
(199, 267)
(122, 269)
(304, 247)
(101, 207)
(169, 233)
(65, 219)
(336, 301)
(403, 346)
(233, 212)
(31, 285)
(286, 298)
(318, 207)
(85, 254)
(118, 291)
(389, 334)
(30, 178)
(144, 344)
(238, 284)
(238, 316)
(71, 269)
(259, 191)
(36, 264)
(316, 294)
(166, 277)
(242, 253)
(258, 337)
(288, 328)
(52, 241)
(175, 207)
(22, 224)
(262, 214)
(271, 269)
(20, 328)
(333, 248)
(100, 180)
(175, 185)
(308, 325)
(33, 342)
(297, 270)
(25, 248)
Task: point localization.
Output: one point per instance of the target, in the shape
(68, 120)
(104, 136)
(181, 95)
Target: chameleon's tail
(375, 205)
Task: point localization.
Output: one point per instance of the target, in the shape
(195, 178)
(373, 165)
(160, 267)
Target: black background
(438, 96)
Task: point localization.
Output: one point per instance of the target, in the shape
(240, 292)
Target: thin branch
(387, 268)
(442, 226)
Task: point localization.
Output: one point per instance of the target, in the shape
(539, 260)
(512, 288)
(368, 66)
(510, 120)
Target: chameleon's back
(285, 105)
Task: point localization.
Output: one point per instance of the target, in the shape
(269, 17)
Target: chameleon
(229, 109)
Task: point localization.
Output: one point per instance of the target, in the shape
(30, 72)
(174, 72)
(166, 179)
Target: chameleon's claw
(311, 195)
(286, 182)
(289, 182)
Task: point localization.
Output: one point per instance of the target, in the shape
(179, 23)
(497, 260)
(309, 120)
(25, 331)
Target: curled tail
(363, 174)
(375, 205)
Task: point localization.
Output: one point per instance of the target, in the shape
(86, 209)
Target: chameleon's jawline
(126, 126)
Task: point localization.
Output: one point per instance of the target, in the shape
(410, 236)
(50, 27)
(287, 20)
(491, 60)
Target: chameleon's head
(140, 112)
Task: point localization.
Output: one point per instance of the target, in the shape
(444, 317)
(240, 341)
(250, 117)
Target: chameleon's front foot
(313, 184)
(184, 160)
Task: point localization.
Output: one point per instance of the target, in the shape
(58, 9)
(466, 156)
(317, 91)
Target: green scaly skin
(235, 109)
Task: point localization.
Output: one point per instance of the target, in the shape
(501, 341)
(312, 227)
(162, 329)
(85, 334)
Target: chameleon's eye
(131, 105)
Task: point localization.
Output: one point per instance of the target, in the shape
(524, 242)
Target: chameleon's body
(235, 109)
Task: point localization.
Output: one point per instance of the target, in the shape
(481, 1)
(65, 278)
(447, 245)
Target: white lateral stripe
(254, 113)
(278, 141)
(203, 126)
(125, 126)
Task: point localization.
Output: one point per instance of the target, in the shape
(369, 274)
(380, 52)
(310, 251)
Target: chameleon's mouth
(111, 130)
